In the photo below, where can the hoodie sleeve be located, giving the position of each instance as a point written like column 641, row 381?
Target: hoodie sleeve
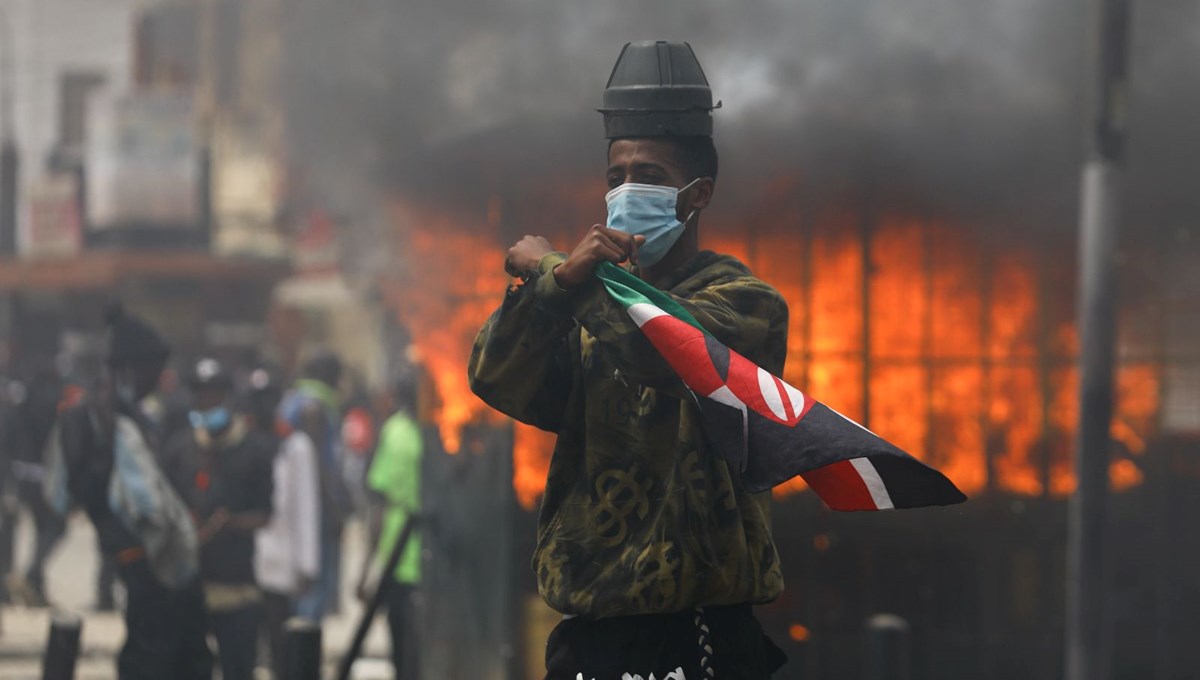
column 521, row 363
column 741, row 311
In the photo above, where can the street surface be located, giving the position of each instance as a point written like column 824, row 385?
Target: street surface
column 71, row 578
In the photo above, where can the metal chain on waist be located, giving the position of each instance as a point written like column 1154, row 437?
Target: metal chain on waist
column 706, row 652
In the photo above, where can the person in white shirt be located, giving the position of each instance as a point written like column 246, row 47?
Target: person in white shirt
column 287, row 557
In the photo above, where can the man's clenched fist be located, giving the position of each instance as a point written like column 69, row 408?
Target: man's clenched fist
column 525, row 254
column 600, row 245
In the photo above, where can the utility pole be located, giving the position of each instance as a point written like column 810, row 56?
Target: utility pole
column 1100, row 205
column 8, row 144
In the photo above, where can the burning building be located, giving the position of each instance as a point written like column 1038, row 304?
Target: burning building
column 955, row 346
column 907, row 181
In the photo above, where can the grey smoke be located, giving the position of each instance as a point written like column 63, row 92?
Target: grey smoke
column 973, row 107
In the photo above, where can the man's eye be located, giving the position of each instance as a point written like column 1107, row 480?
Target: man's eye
column 614, row 182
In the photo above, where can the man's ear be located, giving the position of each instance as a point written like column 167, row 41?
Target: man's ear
column 697, row 197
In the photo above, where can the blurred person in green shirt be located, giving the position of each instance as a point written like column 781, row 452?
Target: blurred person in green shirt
column 395, row 479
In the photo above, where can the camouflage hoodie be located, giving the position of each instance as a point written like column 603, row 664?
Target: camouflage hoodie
column 640, row 515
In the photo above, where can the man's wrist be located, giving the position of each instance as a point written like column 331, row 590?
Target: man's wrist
column 558, row 273
column 549, row 261
column 552, row 297
column 548, row 268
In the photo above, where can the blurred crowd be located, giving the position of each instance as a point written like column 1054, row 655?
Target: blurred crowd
column 219, row 491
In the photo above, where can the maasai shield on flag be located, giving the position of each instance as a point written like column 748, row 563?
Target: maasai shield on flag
column 768, row 430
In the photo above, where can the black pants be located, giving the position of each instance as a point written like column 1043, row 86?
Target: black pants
column 726, row 643
column 277, row 609
column 8, row 536
column 401, row 617
column 50, row 528
column 106, row 577
column 236, row 631
column 165, row 630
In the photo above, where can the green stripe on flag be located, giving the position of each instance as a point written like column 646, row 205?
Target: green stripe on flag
column 629, row 290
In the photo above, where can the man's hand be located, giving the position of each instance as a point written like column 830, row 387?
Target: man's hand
column 525, row 254
column 600, row 245
column 213, row 525
column 247, row 522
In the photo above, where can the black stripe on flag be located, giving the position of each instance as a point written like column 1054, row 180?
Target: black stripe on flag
column 912, row 484
column 778, row 453
column 719, row 354
column 775, row 453
column 725, row 429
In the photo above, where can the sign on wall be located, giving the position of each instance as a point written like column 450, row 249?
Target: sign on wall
column 143, row 164
column 55, row 226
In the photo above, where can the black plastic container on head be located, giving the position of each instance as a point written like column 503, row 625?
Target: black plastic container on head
column 657, row 89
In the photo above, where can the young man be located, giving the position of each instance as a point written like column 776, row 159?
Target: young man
column 287, row 555
column 103, row 458
column 223, row 470
column 395, row 475
column 314, row 407
column 647, row 542
column 26, row 428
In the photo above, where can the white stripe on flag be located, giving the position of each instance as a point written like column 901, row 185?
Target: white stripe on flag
column 641, row 312
column 724, row 395
column 796, row 397
column 874, row 482
column 851, row 421
column 770, row 392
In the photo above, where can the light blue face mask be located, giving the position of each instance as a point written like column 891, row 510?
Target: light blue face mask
column 214, row 419
column 648, row 210
column 125, row 392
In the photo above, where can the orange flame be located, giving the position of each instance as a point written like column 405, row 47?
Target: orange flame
column 451, row 278
column 945, row 347
column 447, row 288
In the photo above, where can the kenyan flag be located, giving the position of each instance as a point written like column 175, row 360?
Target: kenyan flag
column 770, row 431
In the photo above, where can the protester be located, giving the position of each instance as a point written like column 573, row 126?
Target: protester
column 287, row 556
column 358, row 434
column 82, row 372
column 647, row 541
column 26, row 429
column 223, row 469
column 103, row 457
column 9, row 506
column 314, row 407
column 395, row 475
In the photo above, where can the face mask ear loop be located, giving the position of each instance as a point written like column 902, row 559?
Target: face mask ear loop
column 684, row 190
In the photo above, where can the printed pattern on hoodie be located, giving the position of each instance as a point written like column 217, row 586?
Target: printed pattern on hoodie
column 640, row 515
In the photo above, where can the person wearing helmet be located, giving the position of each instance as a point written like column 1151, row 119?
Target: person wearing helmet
column 102, row 457
column 223, row 469
column 648, row 544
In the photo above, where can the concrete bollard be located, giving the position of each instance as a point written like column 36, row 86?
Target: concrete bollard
column 887, row 649
column 62, row 647
column 301, row 650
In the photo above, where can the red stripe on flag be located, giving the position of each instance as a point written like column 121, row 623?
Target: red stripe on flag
column 841, row 487
column 787, row 401
column 809, row 402
column 743, row 382
column 683, row 346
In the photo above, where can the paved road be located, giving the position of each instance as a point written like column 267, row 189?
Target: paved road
column 71, row 578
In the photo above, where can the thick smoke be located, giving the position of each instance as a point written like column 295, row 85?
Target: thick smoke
column 973, row 108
